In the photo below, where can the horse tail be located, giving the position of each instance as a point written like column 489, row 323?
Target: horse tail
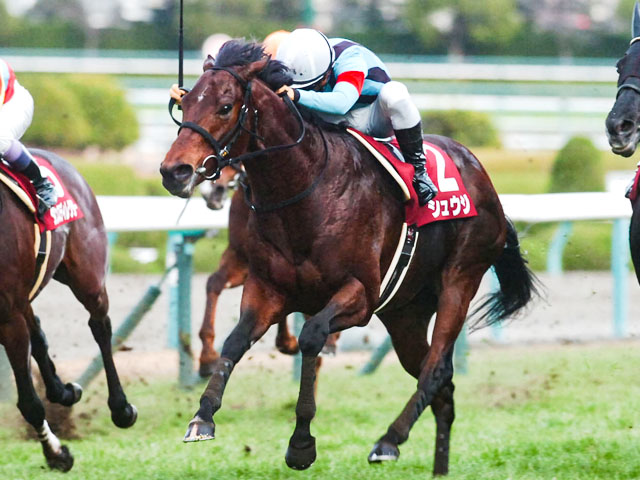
column 518, row 285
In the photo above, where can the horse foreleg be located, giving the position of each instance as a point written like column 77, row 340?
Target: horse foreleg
column 231, row 273
column 348, row 307
column 57, row 392
column 15, row 338
column 261, row 308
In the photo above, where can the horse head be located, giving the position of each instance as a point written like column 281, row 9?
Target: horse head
column 623, row 121
column 220, row 115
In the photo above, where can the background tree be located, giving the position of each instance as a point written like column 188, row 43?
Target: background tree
column 464, row 26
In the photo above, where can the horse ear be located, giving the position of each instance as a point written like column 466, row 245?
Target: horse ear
column 209, row 63
column 635, row 22
column 254, row 68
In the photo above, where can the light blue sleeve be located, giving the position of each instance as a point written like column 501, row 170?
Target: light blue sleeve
column 338, row 101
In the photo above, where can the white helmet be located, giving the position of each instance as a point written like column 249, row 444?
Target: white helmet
column 308, row 55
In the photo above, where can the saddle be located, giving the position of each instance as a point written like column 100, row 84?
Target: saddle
column 452, row 202
column 66, row 210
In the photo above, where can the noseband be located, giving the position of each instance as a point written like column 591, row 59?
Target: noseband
column 223, row 147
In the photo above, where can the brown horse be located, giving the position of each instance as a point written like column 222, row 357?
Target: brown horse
column 324, row 225
column 623, row 123
column 232, row 271
column 78, row 259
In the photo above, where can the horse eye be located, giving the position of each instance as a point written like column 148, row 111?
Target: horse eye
column 225, row 109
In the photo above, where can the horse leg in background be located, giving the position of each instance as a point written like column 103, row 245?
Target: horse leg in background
column 285, row 342
column 436, row 369
column 57, row 392
column 347, row 308
column 231, row 272
column 14, row 335
column 261, row 307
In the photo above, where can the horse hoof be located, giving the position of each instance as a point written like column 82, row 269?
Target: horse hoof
column 71, row 395
column 126, row 417
column 206, row 370
column 77, row 391
column 383, row 452
column 301, row 458
column 63, row 461
column 199, row 430
column 288, row 347
column 328, row 350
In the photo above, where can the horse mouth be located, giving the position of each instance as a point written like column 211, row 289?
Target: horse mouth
column 177, row 189
column 624, row 145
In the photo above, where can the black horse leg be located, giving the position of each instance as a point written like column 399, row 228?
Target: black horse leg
column 436, row 370
column 444, row 413
column 260, row 309
column 347, row 308
column 57, row 392
column 123, row 414
column 15, row 338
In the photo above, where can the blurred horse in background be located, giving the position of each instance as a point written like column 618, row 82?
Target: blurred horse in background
column 324, row 225
column 77, row 258
column 623, row 126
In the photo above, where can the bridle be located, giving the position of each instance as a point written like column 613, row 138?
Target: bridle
column 223, row 147
column 629, row 68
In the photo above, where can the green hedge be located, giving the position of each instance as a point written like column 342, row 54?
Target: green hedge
column 472, row 129
column 76, row 111
column 578, row 167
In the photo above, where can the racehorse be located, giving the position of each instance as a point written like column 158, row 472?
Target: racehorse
column 232, row 271
column 623, row 123
column 78, row 258
column 324, row 225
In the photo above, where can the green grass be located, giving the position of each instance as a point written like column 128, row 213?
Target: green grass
column 567, row 412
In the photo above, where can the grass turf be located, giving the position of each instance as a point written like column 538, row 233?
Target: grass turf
column 561, row 412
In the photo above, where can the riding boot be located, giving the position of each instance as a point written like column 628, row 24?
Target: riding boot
column 410, row 142
column 45, row 190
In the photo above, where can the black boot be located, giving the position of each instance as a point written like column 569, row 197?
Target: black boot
column 45, row 190
column 410, row 142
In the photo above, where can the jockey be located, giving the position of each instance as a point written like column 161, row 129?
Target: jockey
column 272, row 41
column 16, row 112
column 345, row 82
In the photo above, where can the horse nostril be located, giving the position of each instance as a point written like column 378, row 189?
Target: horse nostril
column 219, row 189
column 182, row 173
column 625, row 126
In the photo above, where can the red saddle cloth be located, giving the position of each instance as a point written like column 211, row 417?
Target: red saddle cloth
column 452, row 201
column 64, row 211
column 633, row 194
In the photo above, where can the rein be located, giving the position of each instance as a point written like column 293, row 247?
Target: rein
column 296, row 198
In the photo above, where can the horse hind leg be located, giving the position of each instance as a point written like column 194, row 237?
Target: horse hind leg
column 15, row 338
column 444, row 413
column 57, row 392
column 123, row 414
column 436, row 371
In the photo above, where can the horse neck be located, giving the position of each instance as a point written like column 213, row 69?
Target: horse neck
column 279, row 175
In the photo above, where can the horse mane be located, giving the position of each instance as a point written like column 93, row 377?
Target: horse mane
column 238, row 53
column 275, row 74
